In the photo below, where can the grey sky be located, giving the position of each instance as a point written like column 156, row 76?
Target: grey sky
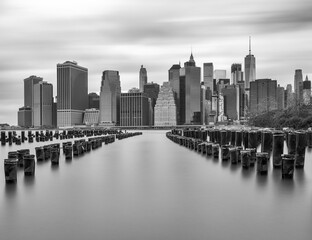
column 123, row 34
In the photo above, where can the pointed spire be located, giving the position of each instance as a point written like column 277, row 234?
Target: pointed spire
column 249, row 45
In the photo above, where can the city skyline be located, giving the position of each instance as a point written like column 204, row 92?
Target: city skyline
column 109, row 36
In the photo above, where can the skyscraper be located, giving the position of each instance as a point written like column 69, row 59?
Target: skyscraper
column 280, row 95
column 110, row 98
column 151, row 90
column 231, row 97
column 174, row 80
column 94, row 101
column 134, row 109
column 143, row 78
column 250, row 68
column 29, row 93
column 307, row 91
column 190, row 93
column 165, row 108
column 208, row 75
column 43, row 104
column 263, row 95
column 24, row 118
column 236, row 73
column 72, row 93
column 298, row 83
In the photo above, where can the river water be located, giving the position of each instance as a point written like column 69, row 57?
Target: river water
column 149, row 188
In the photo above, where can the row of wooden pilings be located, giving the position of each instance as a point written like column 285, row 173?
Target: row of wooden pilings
column 23, row 159
column 240, row 146
column 11, row 137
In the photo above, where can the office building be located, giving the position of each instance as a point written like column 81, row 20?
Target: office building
column 231, row 98
column 306, row 91
column 165, row 108
column 91, row 117
column 289, row 96
column 250, row 68
column 263, row 95
column 236, row 73
column 174, row 80
column 29, row 93
column 110, row 98
column 134, row 109
column 43, row 105
column 94, row 101
column 280, row 92
column 151, row 90
column 24, row 117
column 208, row 75
column 298, row 83
column 72, row 93
column 142, row 78
column 190, row 93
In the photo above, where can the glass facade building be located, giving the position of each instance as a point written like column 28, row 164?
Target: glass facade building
column 110, row 98
column 72, row 93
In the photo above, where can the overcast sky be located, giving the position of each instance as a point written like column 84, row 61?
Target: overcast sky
column 124, row 34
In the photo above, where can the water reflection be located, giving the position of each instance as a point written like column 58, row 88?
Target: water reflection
column 29, row 181
column 247, row 172
column 54, row 167
column 10, row 190
column 235, row 167
column 261, row 179
column 225, row 163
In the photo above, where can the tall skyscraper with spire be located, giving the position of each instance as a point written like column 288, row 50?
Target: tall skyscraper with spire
column 298, row 83
column 190, row 93
column 142, row 78
column 250, row 68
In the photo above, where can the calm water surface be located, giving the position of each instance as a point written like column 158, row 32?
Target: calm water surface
column 148, row 187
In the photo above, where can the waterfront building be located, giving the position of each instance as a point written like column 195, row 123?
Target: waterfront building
column 91, row 116
column 190, row 93
column 24, row 117
column 43, row 105
column 174, row 80
column 110, row 98
column 289, row 96
column 231, row 98
column 236, row 73
column 208, row 75
column 280, row 92
column 54, row 114
column 298, row 83
column 72, row 93
column 94, row 100
column 165, row 108
column 29, row 93
column 263, row 95
column 142, row 78
column 306, row 91
column 134, row 109
column 151, row 90
column 250, row 68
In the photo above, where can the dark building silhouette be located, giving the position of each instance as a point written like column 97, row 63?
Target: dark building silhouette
column 280, row 95
column 72, row 93
column 263, row 95
column 236, row 73
column 306, row 91
column 24, row 117
column 250, row 68
column 231, row 95
column 298, row 83
column 142, row 78
column 151, row 90
column 134, row 109
column 94, row 101
column 190, row 93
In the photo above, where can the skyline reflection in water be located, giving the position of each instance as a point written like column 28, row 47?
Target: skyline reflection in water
column 147, row 187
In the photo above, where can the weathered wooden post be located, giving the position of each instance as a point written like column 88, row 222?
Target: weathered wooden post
column 288, row 165
column 301, row 143
column 29, row 165
column 278, row 149
column 245, row 156
column 10, row 170
column 262, row 162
